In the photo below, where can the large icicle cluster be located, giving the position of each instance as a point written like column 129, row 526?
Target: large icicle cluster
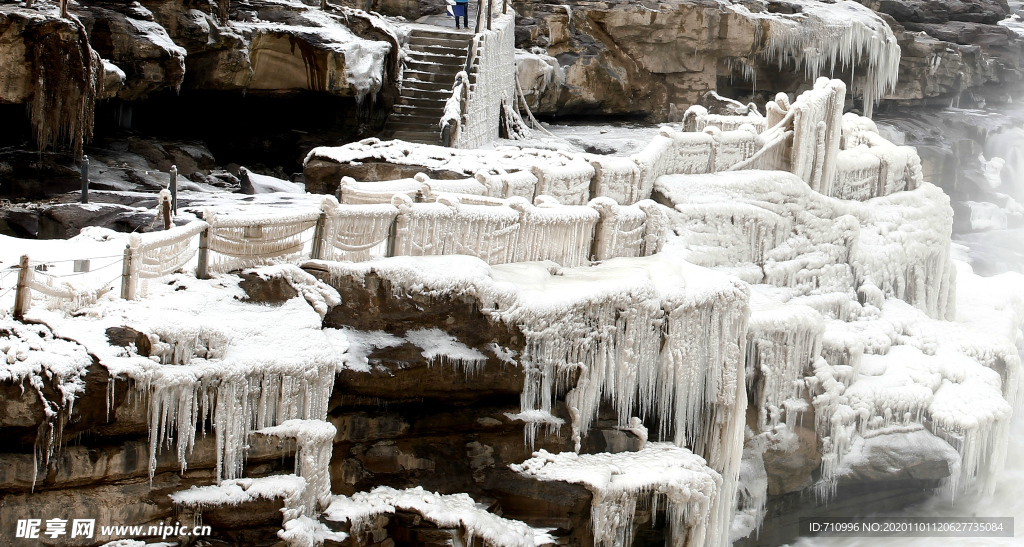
column 231, row 367
column 660, row 473
column 446, row 511
column 824, row 37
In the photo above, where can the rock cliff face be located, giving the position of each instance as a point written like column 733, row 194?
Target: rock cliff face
column 653, row 59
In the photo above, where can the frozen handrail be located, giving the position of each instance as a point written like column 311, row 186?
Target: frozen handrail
column 245, row 241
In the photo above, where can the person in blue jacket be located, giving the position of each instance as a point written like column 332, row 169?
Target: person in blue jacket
column 461, row 9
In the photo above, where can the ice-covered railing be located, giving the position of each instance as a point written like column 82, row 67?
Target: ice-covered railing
column 697, row 119
column 495, row 230
column 450, row 227
column 562, row 234
column 568, row 183
column 501, row 183
column 352, row 192
column 870, row 166
column 708, row 151
column 157, row 254
column 454, row 109
column 236, row 242
column 817, row 127
column 355, row 232
column 628, row 230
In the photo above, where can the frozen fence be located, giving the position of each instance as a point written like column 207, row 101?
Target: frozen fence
column 697, row 118
column 355, row 232
column 495, row 230
column 245, row 241
column 629, row 230
column 157, row 254
column 569, row 183
column 869, row 166
column 450, row 227
column 562, row 234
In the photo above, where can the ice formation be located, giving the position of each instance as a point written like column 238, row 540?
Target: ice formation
column 314, row 443
column 446, row 511
column 829, row 36
column 233, row 371
column 33, row 358
column 601, row 325
column 660, row 473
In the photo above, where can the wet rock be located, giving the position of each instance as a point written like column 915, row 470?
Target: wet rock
column 266, row 290
column 67, row 220
column 885, row 457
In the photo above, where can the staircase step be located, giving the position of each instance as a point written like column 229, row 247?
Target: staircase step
column 423, row 93
column 420, row 138
column 449, row 34
column 444, row 59
column 419, row 40
column 412, row 102
column 428, row 109
column 438, row 50
column 415, row 118
column 416, row 70
column 423, row 76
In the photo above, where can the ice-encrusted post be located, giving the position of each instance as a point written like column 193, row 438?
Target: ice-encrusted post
column 22, row 296
column 85, row 179
column 203, row 267
column 318, row 237
column 127, row 287
column 165, row 210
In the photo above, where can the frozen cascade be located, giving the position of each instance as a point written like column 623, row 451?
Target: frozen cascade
column 299, row 529
column 240, row 369
column 658, row 473
column 314, row 443
column 782, row 343
column 898, row 244
column 32, row 357
column 235, row 401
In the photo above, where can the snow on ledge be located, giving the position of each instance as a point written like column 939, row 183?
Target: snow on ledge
column 658, row 471
column 446, row 511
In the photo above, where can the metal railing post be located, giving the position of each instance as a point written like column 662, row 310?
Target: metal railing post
column 173, row 184
column 85, row 179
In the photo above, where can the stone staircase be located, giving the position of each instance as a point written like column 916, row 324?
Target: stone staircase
column 435, row 56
